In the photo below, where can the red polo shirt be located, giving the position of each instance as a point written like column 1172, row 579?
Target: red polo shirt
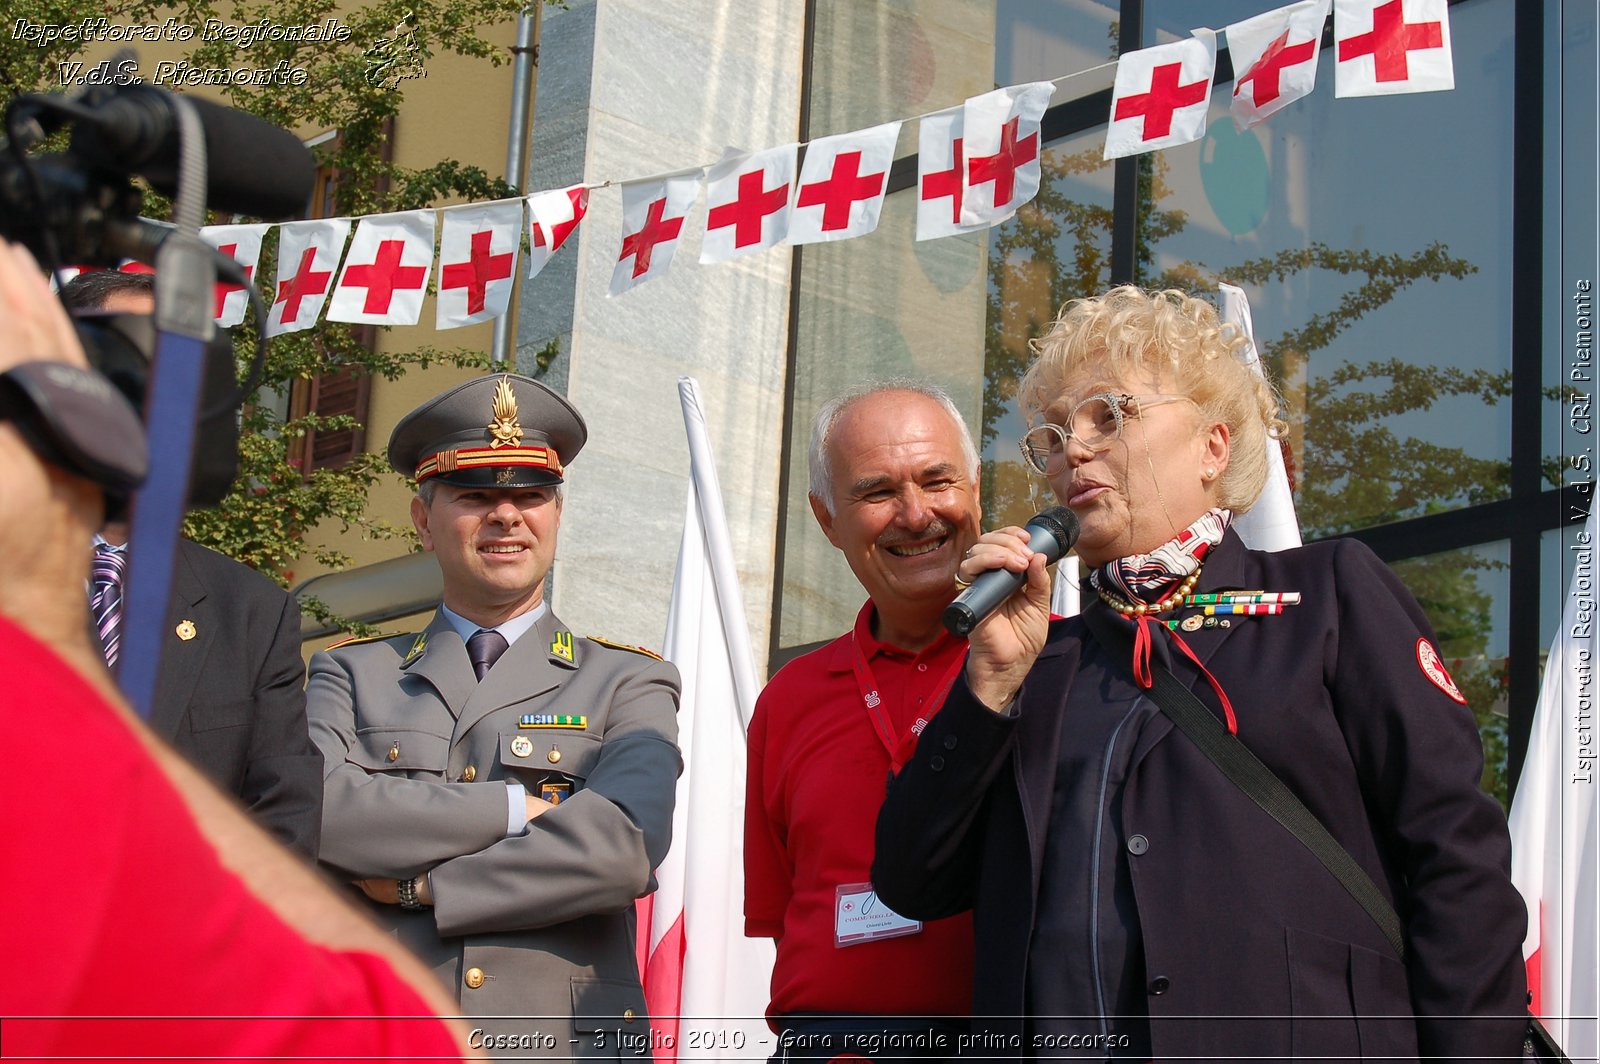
column 817, row 772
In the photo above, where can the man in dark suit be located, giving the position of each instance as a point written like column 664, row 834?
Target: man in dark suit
column 230, row 696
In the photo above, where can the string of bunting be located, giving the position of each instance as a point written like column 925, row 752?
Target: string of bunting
column 977, row 164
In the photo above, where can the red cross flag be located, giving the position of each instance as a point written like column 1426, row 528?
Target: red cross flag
column 1161, row 95
column 1387, row 47
column 552, row 217
column 940, row 167
column 477, row 258
column 652, row 220
column 747, row 202
column 386, row 270
column 842, row 183
column 1001, row 129
column 242, row 244
column 1277, row 53
column 308, row 257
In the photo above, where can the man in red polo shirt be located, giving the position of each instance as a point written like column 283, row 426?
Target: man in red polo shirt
column 894, row 485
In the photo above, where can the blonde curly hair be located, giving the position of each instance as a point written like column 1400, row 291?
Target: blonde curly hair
column 1173, row 337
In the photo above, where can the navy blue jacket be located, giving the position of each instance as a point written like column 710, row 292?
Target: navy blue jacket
column 1251, row 947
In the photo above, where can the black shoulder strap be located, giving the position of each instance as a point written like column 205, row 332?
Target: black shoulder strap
column 1252, row 777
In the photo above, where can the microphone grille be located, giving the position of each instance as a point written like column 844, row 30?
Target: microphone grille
column 1061, row 523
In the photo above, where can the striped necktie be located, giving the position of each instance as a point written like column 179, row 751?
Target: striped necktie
column 105, row 597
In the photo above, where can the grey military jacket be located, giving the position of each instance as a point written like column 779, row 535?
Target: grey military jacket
column 416, row 757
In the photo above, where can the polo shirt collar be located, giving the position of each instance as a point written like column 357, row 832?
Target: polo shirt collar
column 841, row 656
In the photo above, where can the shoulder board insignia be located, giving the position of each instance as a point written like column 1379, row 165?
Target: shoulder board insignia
column 356, row 640
column 625, row 646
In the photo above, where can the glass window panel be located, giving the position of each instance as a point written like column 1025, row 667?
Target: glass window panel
column 869, row 309
column 1570, row 256
column 1379, row 275
column 1056, row 248
column 1465, row 595
column 1041, row 40
column 876, row 61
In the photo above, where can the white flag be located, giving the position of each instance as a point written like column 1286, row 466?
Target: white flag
column 747, row 202
column 699, row 963
column 242, row 244
column 1270, row 524
column 842, row 185
column 386, row 270
column 1161, row 96
column 552, row 217
column 1387, row 47
column 1001, row 131
column 1277, row 54
column 1065, row 597
column 940, row 175
column 653, row 211
column 1555, row 824
column 308, row 257
column 477, row 262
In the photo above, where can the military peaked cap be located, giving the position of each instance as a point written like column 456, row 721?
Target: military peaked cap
column 505, row 431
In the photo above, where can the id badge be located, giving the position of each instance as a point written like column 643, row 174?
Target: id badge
column 858, row 916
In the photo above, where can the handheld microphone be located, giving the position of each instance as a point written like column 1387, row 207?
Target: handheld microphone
column 1051, row 533
column 252, row 166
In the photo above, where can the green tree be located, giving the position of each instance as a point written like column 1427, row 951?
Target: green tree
column 354, row 86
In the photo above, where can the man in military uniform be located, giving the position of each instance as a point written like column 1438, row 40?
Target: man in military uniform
column 498, row 789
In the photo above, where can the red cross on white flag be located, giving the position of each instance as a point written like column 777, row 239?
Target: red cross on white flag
column 1276, row 54
column 1387, row 47
column 842, row 184
column 939, row 169
column 747, row 202
column 386, row 270
column 552, row 217
column 1161, row 96
column 652, row 220
column 242, row 244
column 1001, row 131
column 308, row 257
column 477, row 262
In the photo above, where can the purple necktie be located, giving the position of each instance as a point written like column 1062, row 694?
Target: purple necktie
column 484, row 649
column 105, row 597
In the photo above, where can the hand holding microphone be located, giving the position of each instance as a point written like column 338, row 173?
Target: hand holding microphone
column 999, row 566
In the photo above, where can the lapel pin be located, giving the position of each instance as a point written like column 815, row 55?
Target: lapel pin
column 185, row 630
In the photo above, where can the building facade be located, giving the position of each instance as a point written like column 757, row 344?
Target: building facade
column 1419, row 268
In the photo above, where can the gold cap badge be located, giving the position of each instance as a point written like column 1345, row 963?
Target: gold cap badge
column 504, row 428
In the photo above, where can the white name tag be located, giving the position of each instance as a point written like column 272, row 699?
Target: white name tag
column 858, row 916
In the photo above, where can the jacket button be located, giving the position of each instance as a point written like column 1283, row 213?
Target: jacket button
column 936, row 763
column 474, row 978
column 469, row 774
column 1138, row 844
column 1160, row 985
column 949, row 742
column 627, row 1015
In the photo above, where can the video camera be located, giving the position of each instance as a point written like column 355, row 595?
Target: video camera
column 80, row 207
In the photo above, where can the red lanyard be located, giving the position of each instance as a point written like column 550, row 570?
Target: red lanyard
column 901, row 749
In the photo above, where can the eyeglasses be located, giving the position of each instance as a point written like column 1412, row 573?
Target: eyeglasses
column 1096, row 423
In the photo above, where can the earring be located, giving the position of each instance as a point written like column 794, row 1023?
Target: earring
column 1211, row 474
